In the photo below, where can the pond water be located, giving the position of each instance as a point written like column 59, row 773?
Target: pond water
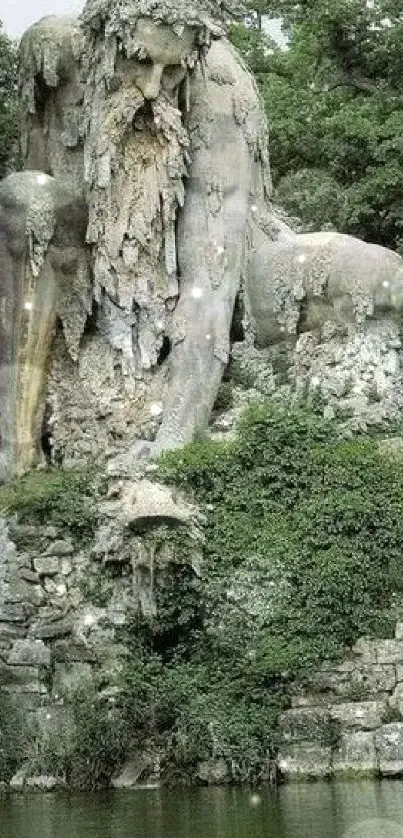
column 340, row 810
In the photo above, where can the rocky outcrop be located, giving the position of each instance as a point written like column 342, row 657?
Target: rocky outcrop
column 349, row 722
column 62, row 610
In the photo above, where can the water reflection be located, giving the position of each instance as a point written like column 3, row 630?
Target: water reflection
column 342, row 810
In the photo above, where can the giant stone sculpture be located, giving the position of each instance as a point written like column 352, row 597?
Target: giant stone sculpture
column 142, row 217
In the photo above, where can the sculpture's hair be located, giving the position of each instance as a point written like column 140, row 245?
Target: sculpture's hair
column 208, row 15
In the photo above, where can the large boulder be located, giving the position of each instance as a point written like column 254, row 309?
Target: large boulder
column 389, row 746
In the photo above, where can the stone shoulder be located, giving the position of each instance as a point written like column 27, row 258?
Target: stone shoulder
column 52, row 47
column 225, row 78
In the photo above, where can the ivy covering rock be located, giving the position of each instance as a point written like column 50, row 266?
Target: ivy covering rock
column 302, row 534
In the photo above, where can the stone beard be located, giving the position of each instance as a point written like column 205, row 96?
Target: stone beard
column 135, row 164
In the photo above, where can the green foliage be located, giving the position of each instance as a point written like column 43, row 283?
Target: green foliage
column 85, row 744
column 302, row 556
column 96, row 589
column 13, row 737
column 100, row 742
column 302, row 553
column 8, row 104
column 57, row 497
column 391, row 714
column 334, row 101
column 225, row 397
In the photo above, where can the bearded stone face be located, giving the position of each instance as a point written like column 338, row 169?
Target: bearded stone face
column 159, row 59
column 136, row 154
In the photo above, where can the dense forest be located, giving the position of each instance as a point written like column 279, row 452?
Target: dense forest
column 8, row 104
column 334, row 101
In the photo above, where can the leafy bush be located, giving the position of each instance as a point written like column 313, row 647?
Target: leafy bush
column 302, row 553
column 225, row 397
column 9, row 115
column 302, row 556
column 61, row 498
column 85, row 743
column 14, row 738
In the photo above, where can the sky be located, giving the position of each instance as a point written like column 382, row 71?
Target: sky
column 17, row 15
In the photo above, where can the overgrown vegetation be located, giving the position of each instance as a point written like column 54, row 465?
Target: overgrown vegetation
column 62, row 498
column 9, row 121
column 302, row 556
column 334, row 102
column 14, row 737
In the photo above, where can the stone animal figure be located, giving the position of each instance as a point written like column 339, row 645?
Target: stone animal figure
column 146, row 119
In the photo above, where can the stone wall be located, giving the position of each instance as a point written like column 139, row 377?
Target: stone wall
column 349, row 719
column 48, row 634
column 61, row 620
column 64, row 605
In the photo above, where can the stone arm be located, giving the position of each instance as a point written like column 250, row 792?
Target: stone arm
column 51, row 100
column 212, row 236
column 42, row 227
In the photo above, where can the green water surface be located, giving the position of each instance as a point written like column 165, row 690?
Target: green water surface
column 302, row 811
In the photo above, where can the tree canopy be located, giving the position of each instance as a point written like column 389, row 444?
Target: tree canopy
column 334, row 101
column 8, row 103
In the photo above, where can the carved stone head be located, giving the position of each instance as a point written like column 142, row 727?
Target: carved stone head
column 160, row 58
column 155, row 41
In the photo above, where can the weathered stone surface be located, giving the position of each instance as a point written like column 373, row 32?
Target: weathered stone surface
column 363, row 715
column 29, row 575
column 66, row 566
column 356, row 754
column 63, row 547
column 379, row 651
column 11, row 631
column 396, row 699
column 49, row 631
column 22, row 679
column 304, row 724
column 389, row 747
column 50, row 532
column 46, row 565
column 366, row 649
column 389, row 651
column 145, row 504
column 17, row 613
column 131, row 772
column 44, row 782
column 24, row 535
column 356, row 679
column 24, row 592
column 29, row 653
column 55, row 588
column 304, row 760
column 399, row 631
column 303, row 699
column 213, row 772
column 17, row 782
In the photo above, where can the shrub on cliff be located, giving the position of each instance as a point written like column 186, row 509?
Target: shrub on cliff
column 302, row 556
column 63, row 498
